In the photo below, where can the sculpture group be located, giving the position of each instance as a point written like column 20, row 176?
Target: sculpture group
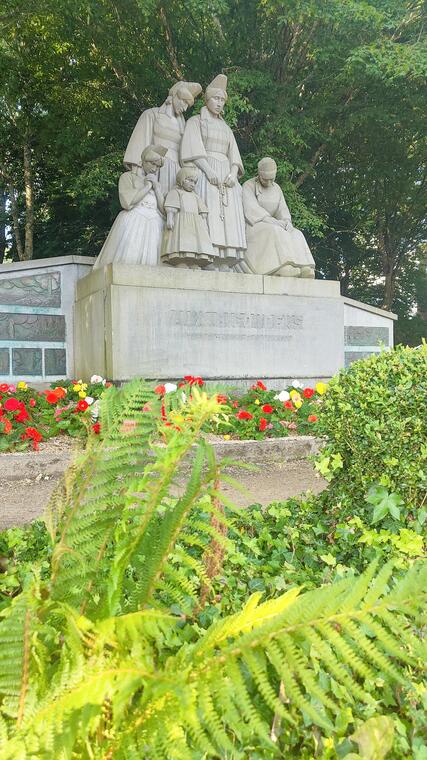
column 182, row 201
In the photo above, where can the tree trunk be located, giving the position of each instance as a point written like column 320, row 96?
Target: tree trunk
column 3, row 197
column 15, row 221
column 389, row 269
column 29, row 204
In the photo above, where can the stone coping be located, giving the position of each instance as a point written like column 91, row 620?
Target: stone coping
column 225, row 282
column 55, row 261
column 268, row 453
column 367, row 307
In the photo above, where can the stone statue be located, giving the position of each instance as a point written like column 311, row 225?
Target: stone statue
column 274, row 246
column 136, row 235
column 209, row 143
column 186, row 241
column 163, row 126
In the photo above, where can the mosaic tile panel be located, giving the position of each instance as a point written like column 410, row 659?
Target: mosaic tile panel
column 32, row 290
column 55, row 361
column 33, row 327
column 4, row 361
column 26, row 361
column 366, row 336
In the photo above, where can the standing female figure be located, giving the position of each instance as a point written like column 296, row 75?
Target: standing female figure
column 209, row 143
column 163, row 125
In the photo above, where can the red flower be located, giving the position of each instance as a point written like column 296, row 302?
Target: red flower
column 31, row 432
column 96, row 427
column 243, row 415
column 7, row 426
column 4, row 387
column 193, row 380
column 12, row 404
column 221, row 398
column 308, row 392
column 59, row 392
column 312, row 418
column 261, row 386
column 262, row 424
column 235, row 404
column 23, row 415
column 51, row 397
column 267, row 409
column 82, row 405
column 108, row 385
column 288, row 405
column 160, row 389
column 32, row 402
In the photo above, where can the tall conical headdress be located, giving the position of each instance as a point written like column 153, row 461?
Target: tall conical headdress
column 218, row 85
column 188, row 91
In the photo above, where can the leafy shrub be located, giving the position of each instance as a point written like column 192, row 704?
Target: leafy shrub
column 375, row 421
column 20, row 548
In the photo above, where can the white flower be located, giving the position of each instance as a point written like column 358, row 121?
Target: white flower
column 282, row 396
column 96, row 379
column 296, row 384
column 170, row 387
column 94, row 411
column 89, row 400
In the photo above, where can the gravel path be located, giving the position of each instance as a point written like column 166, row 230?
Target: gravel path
column 28, row 481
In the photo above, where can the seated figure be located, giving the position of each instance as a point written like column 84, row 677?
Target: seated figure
column 275, row 247
column 186, row 241
column 136, row 235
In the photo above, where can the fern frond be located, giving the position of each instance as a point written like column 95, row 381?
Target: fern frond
column 210, row 691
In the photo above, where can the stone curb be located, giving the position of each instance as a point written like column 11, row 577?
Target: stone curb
column 270, row 452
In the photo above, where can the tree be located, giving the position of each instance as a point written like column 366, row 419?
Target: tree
column 333, row 91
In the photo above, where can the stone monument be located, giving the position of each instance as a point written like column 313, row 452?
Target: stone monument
column 259, row 314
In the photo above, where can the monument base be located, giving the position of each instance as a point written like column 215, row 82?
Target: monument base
column 164, row 323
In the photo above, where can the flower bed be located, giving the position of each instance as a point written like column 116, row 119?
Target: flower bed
column 257, row 414
column 28, row 417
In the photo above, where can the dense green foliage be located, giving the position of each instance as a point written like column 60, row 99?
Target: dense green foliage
column 375, row 420
column 115, row 655
column 333, row 90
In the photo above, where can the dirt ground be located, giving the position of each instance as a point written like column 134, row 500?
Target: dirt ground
column 25, row 491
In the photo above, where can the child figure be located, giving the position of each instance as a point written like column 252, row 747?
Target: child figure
column 186, row 242
column 136, row 235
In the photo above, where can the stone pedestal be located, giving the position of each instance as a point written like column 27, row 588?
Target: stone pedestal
column 159, row 322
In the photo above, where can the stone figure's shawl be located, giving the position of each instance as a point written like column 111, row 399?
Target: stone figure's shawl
column 182, row 200
column 155, row 125
column 129, row 185
column 253, row 202
column 196, row 134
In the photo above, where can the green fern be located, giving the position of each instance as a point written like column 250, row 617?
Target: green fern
column 94, row 665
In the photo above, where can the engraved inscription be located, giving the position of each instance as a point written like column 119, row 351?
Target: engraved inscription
column 33, row 327
column 32, row 290
column 366, row 336
column 194, row 319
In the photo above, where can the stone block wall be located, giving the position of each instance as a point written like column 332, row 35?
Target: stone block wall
column 36, row 318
